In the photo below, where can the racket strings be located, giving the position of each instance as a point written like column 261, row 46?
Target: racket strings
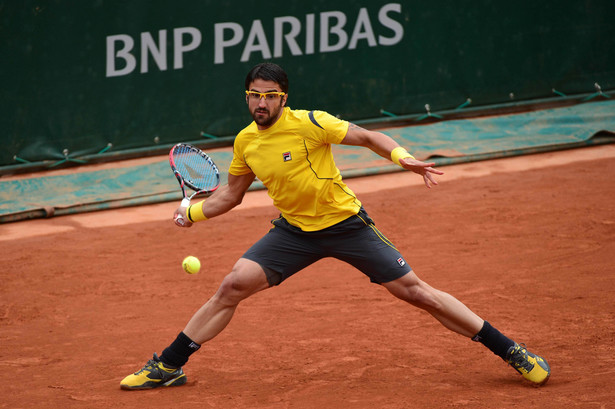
column 195, row 169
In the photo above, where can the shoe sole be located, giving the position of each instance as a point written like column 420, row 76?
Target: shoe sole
column 181, row 380
column 538, row 384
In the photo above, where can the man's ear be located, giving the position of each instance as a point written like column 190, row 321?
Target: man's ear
column 284, row 100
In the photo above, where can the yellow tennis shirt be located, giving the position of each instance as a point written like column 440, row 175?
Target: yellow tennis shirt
column 293, row 159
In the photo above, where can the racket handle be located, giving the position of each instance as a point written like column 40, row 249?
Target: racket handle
column 179, row 220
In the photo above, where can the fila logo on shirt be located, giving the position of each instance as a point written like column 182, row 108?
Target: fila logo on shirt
column 286, row 156
column 401, row 261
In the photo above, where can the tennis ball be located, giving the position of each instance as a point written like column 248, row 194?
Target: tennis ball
column 191, row 265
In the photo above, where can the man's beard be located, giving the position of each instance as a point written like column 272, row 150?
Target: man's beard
column 268, row 120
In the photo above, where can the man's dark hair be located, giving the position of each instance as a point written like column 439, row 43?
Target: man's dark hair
column 269, row 72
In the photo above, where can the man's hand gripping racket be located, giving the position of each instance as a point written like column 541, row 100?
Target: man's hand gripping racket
column 194, row 169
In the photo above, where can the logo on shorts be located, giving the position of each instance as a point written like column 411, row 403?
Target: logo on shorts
column 401, row 261
column 286, row 156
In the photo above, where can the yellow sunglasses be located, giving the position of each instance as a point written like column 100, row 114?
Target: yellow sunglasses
column 269, row 96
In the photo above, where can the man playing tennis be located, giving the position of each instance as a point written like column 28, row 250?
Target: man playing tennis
column 290, row 152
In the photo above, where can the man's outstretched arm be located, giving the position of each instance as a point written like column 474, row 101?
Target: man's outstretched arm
column 384, row 146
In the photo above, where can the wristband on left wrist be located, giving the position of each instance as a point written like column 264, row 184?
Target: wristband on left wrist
column 400, row 153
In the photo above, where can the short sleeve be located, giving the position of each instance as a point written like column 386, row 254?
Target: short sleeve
column 238, row 165
column 334, row 128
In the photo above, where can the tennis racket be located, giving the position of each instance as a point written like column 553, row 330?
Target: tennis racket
column 193, row 168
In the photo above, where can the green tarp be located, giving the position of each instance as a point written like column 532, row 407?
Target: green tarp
column 443, row 142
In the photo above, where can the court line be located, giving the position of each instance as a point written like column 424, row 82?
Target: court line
column 254, row 199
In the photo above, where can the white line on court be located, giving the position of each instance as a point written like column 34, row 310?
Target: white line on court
column 164, row 211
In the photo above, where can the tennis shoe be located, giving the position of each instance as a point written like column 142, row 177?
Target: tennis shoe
column 153, row 375
column 532, row 367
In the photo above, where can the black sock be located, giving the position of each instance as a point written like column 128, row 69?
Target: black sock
column 176, row 355
column 493, row 339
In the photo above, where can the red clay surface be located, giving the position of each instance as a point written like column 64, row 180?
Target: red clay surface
column 86, row 299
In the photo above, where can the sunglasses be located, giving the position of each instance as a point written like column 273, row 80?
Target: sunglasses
column 269, row 96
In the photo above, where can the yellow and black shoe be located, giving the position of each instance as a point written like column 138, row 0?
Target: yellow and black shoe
column 153, row 375
column 532, row 367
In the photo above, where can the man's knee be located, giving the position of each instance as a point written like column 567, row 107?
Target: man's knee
column 414, row 291
column 244, row 280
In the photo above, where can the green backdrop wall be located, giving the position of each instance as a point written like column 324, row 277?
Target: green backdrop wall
column 78, row 75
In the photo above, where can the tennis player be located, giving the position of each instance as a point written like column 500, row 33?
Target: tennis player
column 290, row 152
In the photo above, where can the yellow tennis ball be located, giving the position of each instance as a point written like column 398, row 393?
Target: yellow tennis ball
column 191, row 265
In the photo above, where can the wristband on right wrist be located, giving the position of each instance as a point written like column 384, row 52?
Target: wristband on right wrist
column 195, row 212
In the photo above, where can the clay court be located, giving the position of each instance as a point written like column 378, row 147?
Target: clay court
column 526, row 242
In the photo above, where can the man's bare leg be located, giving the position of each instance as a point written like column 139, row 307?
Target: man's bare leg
column 452, row 313
column 246, row 278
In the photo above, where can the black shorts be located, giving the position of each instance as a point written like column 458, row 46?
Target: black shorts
column 286, row 249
